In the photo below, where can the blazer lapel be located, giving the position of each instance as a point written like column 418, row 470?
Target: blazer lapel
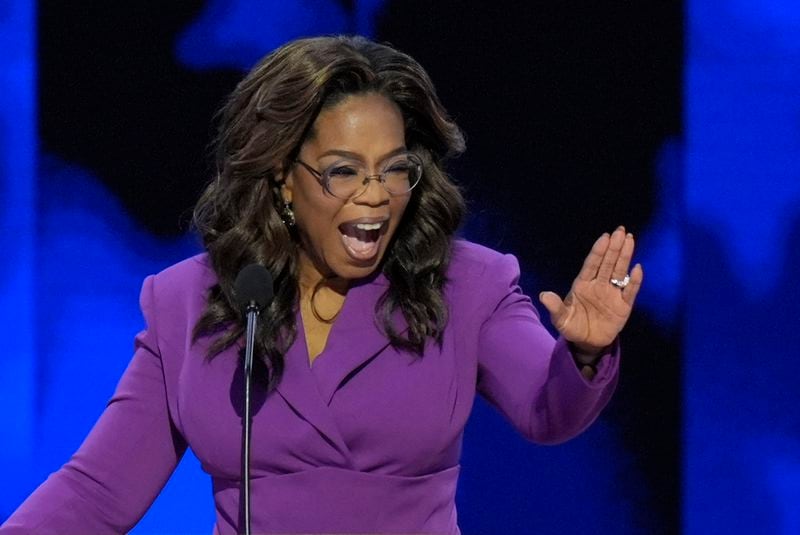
column 355, row 337
column 298, row 387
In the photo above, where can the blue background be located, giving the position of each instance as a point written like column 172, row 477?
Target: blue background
column 683, row 122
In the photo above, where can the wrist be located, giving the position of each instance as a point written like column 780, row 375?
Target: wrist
column 586, row 355
column 586, row 360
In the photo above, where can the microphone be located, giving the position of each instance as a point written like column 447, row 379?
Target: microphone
column 253, row 293
column 253, row 288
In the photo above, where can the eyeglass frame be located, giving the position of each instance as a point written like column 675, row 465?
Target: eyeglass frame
column 379, row 177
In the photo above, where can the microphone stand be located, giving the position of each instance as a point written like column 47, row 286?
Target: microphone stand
column 250, row 336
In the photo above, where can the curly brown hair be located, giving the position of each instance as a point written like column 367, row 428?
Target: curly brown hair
column 262, row 126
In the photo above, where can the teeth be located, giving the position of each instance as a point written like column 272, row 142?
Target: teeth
column 369, row 226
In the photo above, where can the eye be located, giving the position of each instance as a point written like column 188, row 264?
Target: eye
column 400, row 166
column 342, row 171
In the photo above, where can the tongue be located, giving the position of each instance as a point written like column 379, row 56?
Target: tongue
column 358, row 248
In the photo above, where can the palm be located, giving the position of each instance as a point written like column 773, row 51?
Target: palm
column 595, row 311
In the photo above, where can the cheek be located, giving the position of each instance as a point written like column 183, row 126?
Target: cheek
column 399, row 206
column 316, row 222
column 311, row 206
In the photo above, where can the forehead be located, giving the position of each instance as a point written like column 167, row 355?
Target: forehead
column 364, row 124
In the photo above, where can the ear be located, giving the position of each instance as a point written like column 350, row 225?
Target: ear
column 286, row 181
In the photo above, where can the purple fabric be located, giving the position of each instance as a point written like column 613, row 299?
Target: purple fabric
column 367, row 440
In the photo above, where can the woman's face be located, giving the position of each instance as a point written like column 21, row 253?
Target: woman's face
column 348, row 237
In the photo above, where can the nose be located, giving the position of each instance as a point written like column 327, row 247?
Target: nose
column 372, row 192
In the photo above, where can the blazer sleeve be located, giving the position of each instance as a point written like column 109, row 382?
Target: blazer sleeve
column 120, row 468
column 529, row 376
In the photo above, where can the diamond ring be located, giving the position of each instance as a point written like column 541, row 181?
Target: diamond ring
column 621, row 283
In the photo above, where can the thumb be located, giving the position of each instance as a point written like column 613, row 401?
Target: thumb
column 554, row 305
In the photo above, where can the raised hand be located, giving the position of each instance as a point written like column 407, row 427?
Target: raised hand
column 601, row 298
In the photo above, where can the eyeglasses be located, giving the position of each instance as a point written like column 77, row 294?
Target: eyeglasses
column 346, row 179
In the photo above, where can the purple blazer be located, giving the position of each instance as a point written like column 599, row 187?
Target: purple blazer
column 366, row 440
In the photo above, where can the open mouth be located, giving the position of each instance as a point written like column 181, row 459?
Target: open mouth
column 362, row 239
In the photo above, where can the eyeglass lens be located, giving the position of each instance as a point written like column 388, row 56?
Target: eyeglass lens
column 347, row 179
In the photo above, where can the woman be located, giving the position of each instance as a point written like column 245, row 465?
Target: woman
column 330, row 173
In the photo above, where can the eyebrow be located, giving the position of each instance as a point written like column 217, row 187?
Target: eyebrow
column 356, row 156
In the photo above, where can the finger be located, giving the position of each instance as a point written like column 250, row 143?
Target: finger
column 632, row 289
column 612, row 253
column 624, row 260
column 592, row 263
column 555, row 306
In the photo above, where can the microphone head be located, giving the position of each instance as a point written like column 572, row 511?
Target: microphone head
column 253, row 285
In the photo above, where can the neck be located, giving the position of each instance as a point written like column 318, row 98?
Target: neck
column 311, row 277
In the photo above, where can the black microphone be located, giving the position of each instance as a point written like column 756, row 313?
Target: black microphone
column 253, row 293
column 253, row 288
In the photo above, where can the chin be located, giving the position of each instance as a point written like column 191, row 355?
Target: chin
column 349, row 271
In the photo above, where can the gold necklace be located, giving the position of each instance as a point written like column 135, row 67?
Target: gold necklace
column 317, row 287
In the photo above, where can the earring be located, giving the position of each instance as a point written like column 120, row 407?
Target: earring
column 287, row 215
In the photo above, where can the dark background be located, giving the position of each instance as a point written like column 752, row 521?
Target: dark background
column 565, row 107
